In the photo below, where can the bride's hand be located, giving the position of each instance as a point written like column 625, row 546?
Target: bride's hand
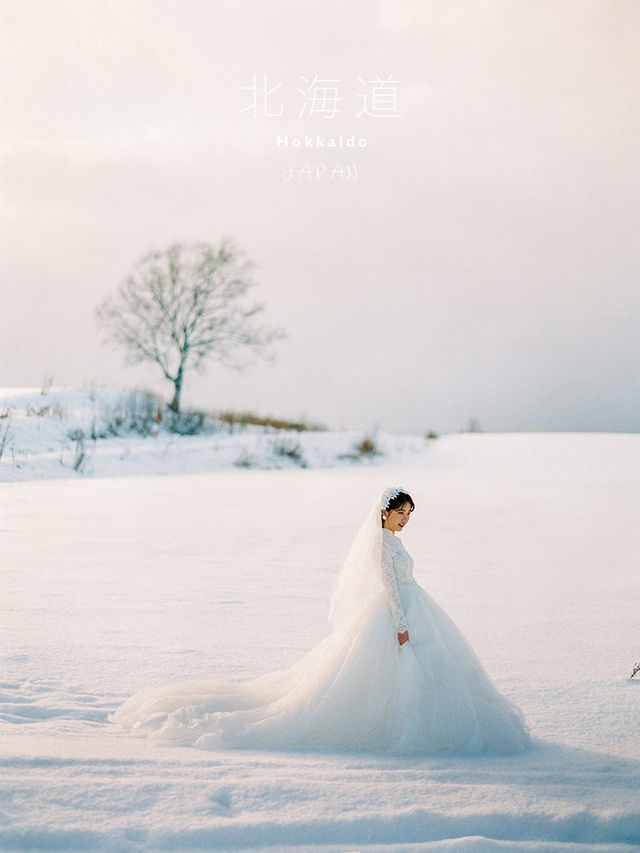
column 403, row 638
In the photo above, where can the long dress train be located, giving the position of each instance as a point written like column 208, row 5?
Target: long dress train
column 356, row 690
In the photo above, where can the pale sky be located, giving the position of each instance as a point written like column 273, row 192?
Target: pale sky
column 484, row 263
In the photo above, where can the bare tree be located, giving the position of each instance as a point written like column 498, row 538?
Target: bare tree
column 181, row 307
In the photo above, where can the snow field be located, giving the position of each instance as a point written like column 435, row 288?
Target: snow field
column 108, row 584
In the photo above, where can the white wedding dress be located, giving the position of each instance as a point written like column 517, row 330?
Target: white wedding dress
column 356, row 690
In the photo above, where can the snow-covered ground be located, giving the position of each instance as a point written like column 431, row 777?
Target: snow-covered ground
column 43, row 429
column 109, row 584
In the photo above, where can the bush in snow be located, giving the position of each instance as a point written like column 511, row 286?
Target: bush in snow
column 135, row 411
column 186, row 422
column 364, row 449
column 51, row 410
column 290, row 449
column 79, row 455
column 245, row 460
column 5, row 429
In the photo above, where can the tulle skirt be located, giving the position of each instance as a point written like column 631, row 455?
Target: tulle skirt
column 356, row 690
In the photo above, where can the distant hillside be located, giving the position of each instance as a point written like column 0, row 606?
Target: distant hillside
column 76, row 432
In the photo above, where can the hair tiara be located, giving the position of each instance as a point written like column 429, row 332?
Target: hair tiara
column 389, row 494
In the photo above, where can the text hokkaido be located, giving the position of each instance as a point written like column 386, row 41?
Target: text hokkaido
column 321, row 142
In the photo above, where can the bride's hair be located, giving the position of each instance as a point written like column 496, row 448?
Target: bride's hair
column 399, row 500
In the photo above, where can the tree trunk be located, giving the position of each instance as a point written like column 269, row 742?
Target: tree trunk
column 174, row 405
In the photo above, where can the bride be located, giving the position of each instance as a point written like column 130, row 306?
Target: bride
column 394, row 674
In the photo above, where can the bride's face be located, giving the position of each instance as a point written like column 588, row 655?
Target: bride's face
column 398, row 518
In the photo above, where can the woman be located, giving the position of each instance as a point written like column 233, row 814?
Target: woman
column 394, row 675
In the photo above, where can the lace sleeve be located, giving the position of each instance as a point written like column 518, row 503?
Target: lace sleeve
column 390, row 584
